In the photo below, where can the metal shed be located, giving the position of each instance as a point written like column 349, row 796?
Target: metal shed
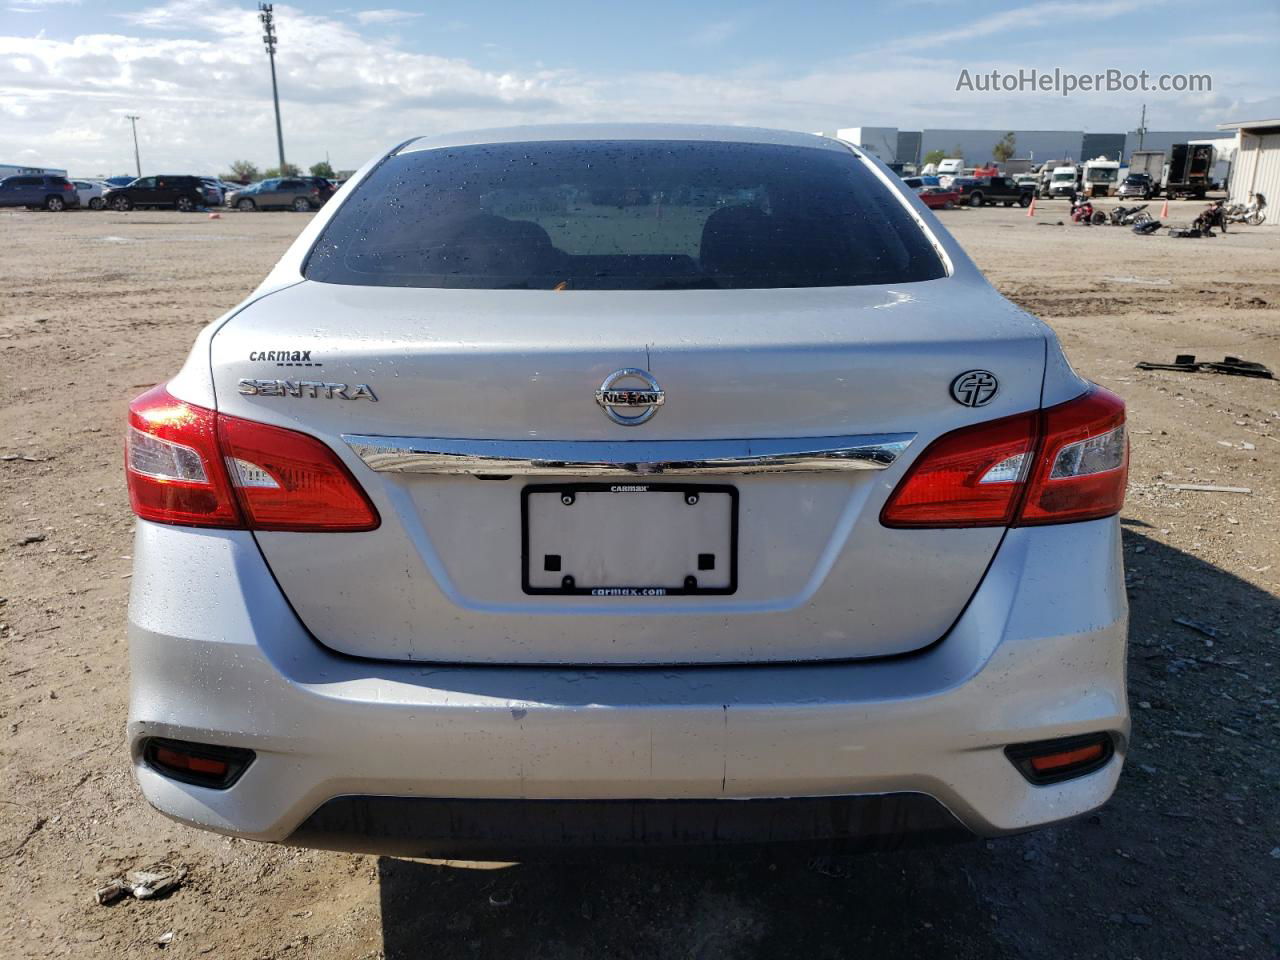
column 1257, row 166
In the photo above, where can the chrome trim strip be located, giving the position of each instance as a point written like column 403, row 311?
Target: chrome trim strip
column 607, row 458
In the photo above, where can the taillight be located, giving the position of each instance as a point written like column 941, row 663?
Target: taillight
column 1083, row 464
column 189, row 465
column 971, row 477
column 1063, row 464
column 172, row 464
column 68, row 186
column 291, row 481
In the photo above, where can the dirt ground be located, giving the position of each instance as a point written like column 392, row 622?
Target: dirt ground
column 1183, row 863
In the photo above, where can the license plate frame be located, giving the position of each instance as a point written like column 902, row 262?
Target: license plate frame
column 628, row 590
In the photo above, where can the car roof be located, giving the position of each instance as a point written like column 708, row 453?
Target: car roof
column 708, row 133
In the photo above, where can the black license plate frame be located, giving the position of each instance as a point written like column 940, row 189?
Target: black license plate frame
column 629, row 488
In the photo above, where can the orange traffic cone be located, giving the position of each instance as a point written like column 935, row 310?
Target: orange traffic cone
column 1164, row 211
column 1031, row 210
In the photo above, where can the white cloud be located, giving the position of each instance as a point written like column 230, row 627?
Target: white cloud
column 1039, row 16
column 715, row 34
column 388, row 15
column 197, row 74
column 38, row 6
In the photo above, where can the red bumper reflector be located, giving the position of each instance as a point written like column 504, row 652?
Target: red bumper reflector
column 202, row 764
column 1051, row 761
column 184, row 761
column 1067, row 758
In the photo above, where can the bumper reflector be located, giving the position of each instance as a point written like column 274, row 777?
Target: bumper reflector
column 201, row 764
column 1051, row 761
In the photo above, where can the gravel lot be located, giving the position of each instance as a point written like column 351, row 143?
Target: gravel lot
column 1183, row 863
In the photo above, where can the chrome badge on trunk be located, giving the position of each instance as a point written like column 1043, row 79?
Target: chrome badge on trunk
column 646, row 397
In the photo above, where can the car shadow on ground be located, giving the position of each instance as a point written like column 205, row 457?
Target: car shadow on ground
column 1176, row 865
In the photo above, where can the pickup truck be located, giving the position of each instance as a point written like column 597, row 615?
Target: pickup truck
column 976, row 191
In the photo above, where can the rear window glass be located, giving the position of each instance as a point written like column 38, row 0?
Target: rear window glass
column 622, row 215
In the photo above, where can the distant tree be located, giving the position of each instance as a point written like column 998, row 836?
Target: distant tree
column 244, row 170
column 289, row 170
column 935, row 156
column 322, row 169
column 1004, row 150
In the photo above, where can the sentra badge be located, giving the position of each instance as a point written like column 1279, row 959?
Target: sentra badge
column 311, row 389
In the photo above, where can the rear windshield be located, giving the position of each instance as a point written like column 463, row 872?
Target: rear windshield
column 622, row 215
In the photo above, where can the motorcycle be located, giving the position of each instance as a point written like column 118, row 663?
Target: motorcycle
column 1214, row 215
column 1082, row 211
column 1129, row 216
column 1253, row 214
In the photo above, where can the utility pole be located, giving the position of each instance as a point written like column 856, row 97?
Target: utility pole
column 1142, row 126
column 269, row 40
column 137, row 158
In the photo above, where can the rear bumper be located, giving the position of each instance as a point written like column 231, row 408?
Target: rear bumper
column 559, row 829
column 1038, row 654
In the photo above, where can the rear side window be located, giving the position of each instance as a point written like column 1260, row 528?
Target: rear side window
column 622, row 215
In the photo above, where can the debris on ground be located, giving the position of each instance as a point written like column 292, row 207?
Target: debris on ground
column 1209, row 488
column 1209, row 632
column 156, row 881
column 1187, row 363
column 30, row 539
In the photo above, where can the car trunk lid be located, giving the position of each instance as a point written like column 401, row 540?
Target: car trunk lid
column 459, row 570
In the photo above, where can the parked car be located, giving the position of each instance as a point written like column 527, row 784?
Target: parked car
column 979, row 190
column 181, row 192
column 322, row 184
column 287, row 193
column 214, row 191
column 90, row 193
column 119, row 181
column 1138, row 185
column 36, row 191
column 687, row 580
column 920, row 183
column 939, row 197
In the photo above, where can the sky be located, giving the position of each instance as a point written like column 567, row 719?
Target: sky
column 355, row 80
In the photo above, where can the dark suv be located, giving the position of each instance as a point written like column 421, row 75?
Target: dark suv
column 283, row 193
column 979, row 190
column 1138, row 185
column 164, row 190
column 38, row 190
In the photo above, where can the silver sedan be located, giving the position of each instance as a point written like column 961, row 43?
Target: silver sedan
column 626, row 486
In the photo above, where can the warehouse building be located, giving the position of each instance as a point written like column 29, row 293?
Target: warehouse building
column 880, row 142
column 977, row 146
column 1257, row 163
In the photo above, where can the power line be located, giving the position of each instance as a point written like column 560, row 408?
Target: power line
column 269, row 40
